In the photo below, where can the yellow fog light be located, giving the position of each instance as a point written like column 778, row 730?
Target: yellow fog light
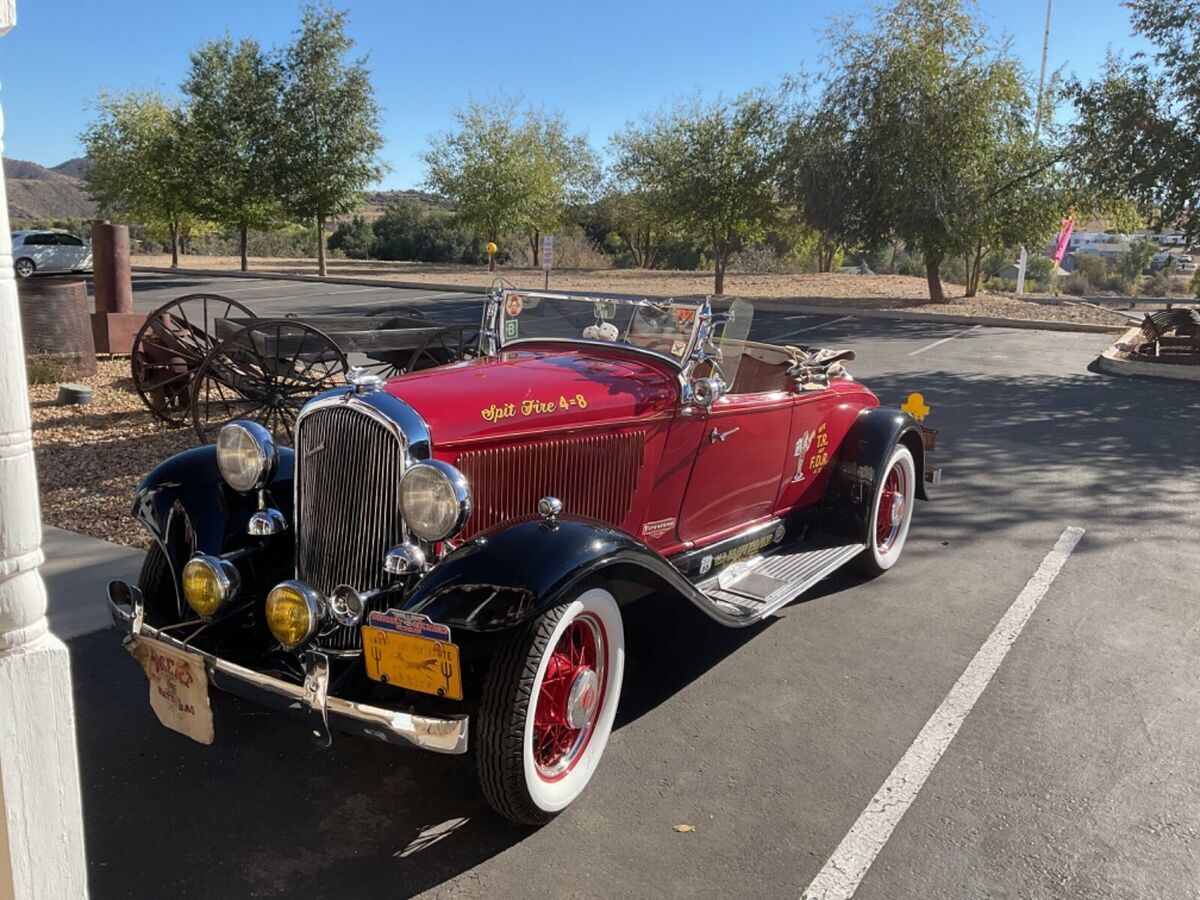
column 294, row 611
column 208, row 583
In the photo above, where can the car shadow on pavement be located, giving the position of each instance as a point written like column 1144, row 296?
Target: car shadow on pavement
column 264, row 812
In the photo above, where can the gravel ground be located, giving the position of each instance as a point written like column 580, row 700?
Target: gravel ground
column 858, row 291
column 90, row 459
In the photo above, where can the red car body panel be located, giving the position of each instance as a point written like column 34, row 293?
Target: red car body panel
column 605, row 430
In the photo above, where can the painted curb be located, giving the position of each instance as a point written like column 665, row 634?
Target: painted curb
column 780, row 304
column 1109, row 362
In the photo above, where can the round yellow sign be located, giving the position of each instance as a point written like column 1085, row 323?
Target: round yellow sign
column 491, row 248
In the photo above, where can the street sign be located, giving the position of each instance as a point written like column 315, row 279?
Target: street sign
column 548, row 252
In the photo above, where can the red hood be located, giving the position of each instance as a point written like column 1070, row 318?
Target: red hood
column 536, row 390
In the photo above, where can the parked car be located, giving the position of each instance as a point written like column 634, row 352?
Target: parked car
column 449, row 554
column 49, row 251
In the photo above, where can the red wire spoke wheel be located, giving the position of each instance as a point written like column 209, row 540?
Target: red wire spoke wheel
column 549, row 701
column 891, row 513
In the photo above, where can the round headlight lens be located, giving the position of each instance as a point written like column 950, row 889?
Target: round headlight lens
column 207, row 584
column 434, row 500
column 246, row 455
column 293, row 613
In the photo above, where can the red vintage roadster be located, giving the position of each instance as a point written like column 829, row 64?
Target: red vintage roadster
column 448, row 553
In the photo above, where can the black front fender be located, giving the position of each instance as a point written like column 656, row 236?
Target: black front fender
column 864, row 454
column 511, row 574
column 188, row 508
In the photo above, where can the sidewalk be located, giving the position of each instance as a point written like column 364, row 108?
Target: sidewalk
column 76, row 571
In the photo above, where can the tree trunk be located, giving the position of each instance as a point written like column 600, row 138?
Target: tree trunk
column 974, row 271
column 492, row 256
column 245, row 257
column 932, row 275
column 892, row 264
column 174, row 229
column 321, row 270
column 534, row 242
column 719, row 267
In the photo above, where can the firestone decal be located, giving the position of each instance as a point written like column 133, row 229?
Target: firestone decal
column 818, row 442
column 654, row 529
column 497, row 412
column 514, row 305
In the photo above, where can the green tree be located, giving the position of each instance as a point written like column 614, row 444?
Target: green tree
column 818, row 177
column 936, row 115
column 488, row 166
column 330, row 141
column 233, row 100
column 714, row 169
column 564, row 173
column 1136, row 134
column 140, row 152
column 1136, row 260
column 638, row 221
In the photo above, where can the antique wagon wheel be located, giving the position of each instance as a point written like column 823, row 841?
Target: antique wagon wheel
column 171, row 345
column 265, row 372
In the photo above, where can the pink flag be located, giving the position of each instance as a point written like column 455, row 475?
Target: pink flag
column 1064, row 237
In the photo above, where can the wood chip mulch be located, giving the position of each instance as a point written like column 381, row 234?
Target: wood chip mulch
column 90, row 459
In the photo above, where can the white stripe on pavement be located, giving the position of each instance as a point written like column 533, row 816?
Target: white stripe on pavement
column 789, row 334
column 844, row 871
column 943, row 340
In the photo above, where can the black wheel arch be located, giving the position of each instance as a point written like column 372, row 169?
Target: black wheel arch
column 860, row 463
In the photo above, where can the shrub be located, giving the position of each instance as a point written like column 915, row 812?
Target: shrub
column 1038, row 268
column 356, row 239
column 1001, row 284
column 1076, row 285
column 1157, row 285
column 1195, row 283
column 45, row 369
column 1092, row 269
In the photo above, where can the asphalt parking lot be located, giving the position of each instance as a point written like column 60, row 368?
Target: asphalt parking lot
column 1073, row 775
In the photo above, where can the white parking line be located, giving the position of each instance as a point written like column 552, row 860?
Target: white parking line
column 844, row 871
column 789, row 334
column 943, row 340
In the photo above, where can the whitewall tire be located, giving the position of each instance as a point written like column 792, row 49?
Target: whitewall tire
column 891, row 513
column 549, row 702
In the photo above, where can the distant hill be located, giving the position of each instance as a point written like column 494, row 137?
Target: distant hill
column 378, row 201
column 35, row 192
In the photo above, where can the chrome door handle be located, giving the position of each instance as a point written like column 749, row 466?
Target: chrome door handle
column 715, row 435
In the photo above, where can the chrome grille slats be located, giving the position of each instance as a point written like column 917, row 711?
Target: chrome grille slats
column 348, row 468
column 593, row 475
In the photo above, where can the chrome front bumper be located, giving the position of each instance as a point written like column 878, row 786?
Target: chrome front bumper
column 325, row 714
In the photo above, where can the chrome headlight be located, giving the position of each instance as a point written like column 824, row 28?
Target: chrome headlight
column 435, row 500
column 246, row 455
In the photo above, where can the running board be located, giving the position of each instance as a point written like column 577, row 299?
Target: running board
column 748, row 591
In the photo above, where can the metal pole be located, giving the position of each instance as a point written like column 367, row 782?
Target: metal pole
column 41, row 820
column 1037, row 130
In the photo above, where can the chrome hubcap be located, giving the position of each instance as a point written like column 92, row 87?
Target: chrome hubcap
column 582, row 700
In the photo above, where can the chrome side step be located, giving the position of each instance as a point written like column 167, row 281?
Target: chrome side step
column 749, row 591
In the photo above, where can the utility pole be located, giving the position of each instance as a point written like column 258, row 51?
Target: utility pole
column 41, row 820
column 1037, row 131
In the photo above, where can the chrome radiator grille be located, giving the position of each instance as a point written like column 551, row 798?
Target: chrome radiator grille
column 593, row 476
column 348, row 467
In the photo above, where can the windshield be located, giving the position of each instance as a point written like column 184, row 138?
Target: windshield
column 663, row 327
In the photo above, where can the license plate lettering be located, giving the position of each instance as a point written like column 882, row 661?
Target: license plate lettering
column 409, row 661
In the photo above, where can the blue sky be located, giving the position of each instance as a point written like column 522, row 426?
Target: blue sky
column 600, row 64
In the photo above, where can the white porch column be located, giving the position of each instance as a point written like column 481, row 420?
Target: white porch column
column 41, row 823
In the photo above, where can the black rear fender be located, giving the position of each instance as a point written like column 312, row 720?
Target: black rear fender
column 864, row 454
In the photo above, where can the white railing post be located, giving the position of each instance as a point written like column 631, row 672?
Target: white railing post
column 41, row 821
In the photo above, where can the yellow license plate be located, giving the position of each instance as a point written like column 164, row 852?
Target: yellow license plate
column 408, row 661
